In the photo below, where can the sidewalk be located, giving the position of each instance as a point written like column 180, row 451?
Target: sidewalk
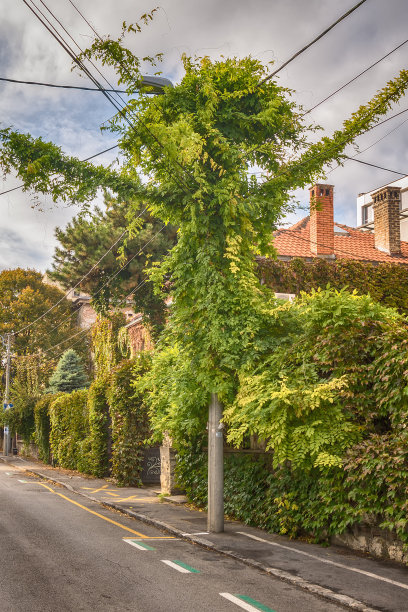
column 354, row 581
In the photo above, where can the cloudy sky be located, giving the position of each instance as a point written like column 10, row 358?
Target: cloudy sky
column 270, row 30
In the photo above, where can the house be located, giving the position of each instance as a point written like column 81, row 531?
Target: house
column 318, row 236
column 365, row 211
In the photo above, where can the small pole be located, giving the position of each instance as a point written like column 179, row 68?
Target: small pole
column 6, row 438
column 215, row 523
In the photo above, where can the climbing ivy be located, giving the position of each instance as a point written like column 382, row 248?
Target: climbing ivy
column 384, row 282
column 99, row 427
column 43, row 426
column 69, row 435
column 130, row 422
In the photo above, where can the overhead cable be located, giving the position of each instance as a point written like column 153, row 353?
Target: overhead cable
column 79, row 282
column 356, row 77
column 303, row 49
column 60, row 86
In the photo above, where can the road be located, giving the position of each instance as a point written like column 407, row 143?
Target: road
column 61, row 552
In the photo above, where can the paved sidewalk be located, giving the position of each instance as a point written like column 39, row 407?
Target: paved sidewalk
column 355, row 581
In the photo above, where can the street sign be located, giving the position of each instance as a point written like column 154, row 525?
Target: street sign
column 6, row 430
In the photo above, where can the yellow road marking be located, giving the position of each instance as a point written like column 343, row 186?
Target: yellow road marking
column 104, row 489
column 154, row 538
column 111, row 494
column 105, row 518
column 147, row 500
column 100, row 489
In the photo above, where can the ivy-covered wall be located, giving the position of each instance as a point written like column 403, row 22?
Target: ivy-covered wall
column 386, row 283
column 99, row 431
column 69, row 431
column 130, row 420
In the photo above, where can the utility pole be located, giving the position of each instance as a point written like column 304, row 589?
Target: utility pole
column 6, row 438
column 215, row 523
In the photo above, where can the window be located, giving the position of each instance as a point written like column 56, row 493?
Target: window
column 364, row 215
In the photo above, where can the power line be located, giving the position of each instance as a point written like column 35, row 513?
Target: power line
column 83, row 160
column 59, row 38
column 356, row 77
column 312, row 42
column 129, row 75
column 360, row 161
column 60, row 86
column 107, row 282
column 128, row 262
column 79, row 282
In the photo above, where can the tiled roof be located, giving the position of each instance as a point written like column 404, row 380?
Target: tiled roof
column 354, row 244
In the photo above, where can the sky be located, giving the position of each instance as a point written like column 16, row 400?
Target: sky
column 270, row 30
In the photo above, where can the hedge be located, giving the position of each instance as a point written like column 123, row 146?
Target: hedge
column 69, row 435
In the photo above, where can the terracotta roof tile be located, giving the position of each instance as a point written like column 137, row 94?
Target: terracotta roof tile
column 358, row 244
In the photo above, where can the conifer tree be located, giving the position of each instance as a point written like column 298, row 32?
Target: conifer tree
column 69, row 374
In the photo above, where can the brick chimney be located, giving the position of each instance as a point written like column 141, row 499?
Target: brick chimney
column 321, row 221
column 386, row 205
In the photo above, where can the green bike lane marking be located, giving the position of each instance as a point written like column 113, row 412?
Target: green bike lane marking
column 246, row 603
column 181, row 567
column 139, row 545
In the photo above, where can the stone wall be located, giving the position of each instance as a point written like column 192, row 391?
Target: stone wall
column 139, row 337
column 371, row 539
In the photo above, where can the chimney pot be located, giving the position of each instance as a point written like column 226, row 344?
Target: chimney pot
column 321, row 221
column 387, row 232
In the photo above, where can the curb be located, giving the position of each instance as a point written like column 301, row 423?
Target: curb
column 343, row 600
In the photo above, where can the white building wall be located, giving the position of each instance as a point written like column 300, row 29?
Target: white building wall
column 366, row 199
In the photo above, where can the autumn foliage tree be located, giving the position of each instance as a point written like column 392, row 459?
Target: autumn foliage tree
column 24, row 297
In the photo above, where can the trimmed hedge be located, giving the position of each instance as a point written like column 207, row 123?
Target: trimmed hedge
column 69, row 434
column 99, row 426
column 43, row 426
column 130, row 420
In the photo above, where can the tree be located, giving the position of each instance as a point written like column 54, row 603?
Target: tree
column 69, row 374
column 23, row 298
column 85, row 240
column 198, row 144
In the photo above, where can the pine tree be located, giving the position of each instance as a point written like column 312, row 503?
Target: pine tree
column 69, row 374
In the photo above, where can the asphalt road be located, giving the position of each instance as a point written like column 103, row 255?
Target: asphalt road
column 61, row 552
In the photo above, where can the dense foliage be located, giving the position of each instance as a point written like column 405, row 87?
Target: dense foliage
column 86, row 240
column 28, row 381
column 99, row 428
column 130, row 421
column 385, row 283
column 23, row 298
column 106, row 346
column 69, row 435
column 43, row 426
column 69, row 374
column 331, row 404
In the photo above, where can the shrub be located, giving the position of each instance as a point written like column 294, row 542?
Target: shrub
column 130, row 421
column 42, row 426
column 99, row 427
column 69, row 428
